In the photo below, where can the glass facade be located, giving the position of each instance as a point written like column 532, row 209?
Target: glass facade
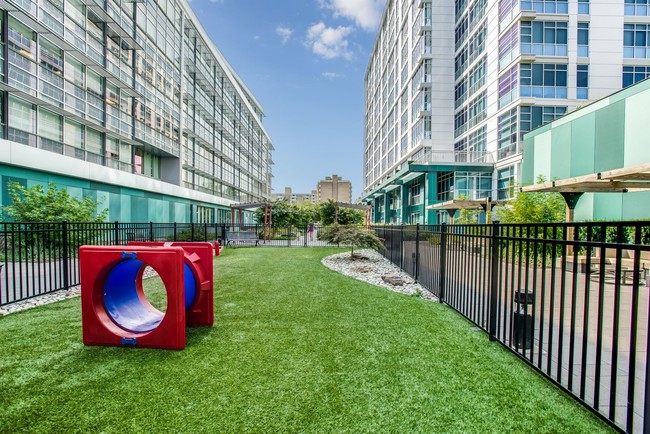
column 544, row 62
column 136, row 87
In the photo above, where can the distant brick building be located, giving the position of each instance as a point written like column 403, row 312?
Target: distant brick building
column 335, row 188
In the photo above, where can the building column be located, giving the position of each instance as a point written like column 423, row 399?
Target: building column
column 404, row 192
column 431, row 182
column 386, row 208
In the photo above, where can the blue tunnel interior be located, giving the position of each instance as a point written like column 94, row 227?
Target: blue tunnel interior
column 123, row 304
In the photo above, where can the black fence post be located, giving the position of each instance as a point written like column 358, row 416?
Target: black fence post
column 417, row 252
column 175, row 231
column 494, row 280
column 66, row 282
column 117, row 233
column 401, row 247
column 150, row 231
column 205, row 231
column 443, row 262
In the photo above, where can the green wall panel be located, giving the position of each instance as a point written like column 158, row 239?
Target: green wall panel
column 608, row 206
column 542, row 156
column 636, row 205
column 637, row 129
column 610, row 135
column 528, row 163
column 561, row 154
column 583, row 138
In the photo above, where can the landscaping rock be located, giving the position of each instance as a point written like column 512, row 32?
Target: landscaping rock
column 378, row 266
column 393, row 280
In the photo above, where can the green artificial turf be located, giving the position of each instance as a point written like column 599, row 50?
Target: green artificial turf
column 295, row 348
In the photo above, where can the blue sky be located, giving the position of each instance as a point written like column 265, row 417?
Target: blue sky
column 305, row 61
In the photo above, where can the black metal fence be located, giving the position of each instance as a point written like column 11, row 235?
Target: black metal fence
column 570, row 299
column 40, row 258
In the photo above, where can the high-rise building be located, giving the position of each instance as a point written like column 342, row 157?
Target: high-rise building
column 451, row 87
column 130, row 103
column 334, row 188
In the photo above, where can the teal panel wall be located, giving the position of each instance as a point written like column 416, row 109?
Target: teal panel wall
column 528, row 163
column 610, row 137
column 637, row 144
column 124, row 204
column 608, row 206
column 561, row 155
column 583, row 139
column 636, row 205
column 542, row 157
column 431, row 178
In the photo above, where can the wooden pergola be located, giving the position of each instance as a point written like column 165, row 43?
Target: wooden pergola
column 237, row 209
column 627, row 179
column 361, row 207
column 451, row 206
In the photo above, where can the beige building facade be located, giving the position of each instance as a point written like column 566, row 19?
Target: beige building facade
column 334, row 188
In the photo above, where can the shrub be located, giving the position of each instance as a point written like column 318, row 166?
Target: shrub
column 351, row 235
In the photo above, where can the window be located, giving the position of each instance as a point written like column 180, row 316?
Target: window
column 545, row 7
column 634, row 74
column 508, row 9
column 22, row 121
column 637, row 8
column 477, row 142
column 508, row 90
column 531, row 117
column 460, row 122
column 582, row 82
column 636, row 41
column 583, row 7
column 73, row 135
column 22, row 39
column 583, row 39
column 477, row 109
column 50, row 125
column 546, row 80
column 544, row 38
column 508, row 46
column 507, row 138
column 505, row 182
column 51, row 57
column 415, row 197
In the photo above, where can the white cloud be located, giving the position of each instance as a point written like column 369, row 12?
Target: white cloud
column 284, row 33
column 332, row 75
column 365, row 13
column 329, row 42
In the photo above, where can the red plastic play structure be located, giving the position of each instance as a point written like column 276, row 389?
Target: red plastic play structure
column 115, row 310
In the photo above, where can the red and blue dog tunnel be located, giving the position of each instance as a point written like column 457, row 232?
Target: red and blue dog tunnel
column 115, row 309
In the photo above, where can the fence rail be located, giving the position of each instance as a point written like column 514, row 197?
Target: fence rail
column 569, row 299
column 40, row 258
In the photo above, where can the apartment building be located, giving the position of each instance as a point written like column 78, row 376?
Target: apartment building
column 130, row 103
column 290, row 197
column 452, row 87
column 334, row 188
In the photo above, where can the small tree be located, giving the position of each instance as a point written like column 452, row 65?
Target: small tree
column 531, row 207
column 345, row 216
column 352, row 235
column 35, row 204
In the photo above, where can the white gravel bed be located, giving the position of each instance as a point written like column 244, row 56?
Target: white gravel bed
column 51, row 297
column 372, row 269
column 40, row 300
